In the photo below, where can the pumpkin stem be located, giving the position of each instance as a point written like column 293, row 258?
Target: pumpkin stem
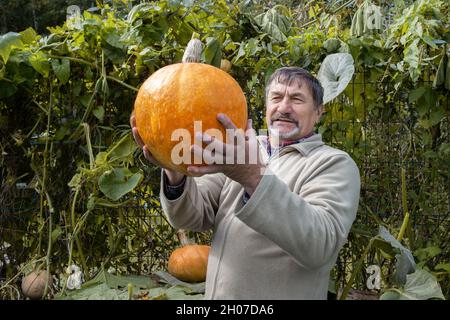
column 193, row 50
column 183, row 237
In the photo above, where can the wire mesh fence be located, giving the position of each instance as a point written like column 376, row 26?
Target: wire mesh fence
column 377, row 127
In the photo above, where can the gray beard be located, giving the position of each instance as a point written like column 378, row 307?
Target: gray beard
column 284, row 135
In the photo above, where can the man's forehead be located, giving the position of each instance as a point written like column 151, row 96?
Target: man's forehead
column 295, row 86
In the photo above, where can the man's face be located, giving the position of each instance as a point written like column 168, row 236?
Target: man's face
column 291, row 111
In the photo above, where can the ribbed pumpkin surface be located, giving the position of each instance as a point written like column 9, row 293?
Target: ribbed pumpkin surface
column 189, row 263
column 179, row 94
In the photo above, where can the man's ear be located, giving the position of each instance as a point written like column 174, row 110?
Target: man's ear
column 320, row 110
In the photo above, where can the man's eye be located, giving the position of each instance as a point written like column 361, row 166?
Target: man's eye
column 276, row 98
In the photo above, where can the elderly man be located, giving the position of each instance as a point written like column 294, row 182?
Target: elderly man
column 279, row 222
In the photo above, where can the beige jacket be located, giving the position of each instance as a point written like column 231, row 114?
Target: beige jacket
column 284, row 241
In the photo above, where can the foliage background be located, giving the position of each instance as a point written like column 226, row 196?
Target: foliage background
column 66, row 93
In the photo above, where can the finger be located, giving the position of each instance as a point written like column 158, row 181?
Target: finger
column 225, row 121
column 149, row 156
column 250, row 133
column 137, row 137
column 215, row 144
column 132, row 120
column 201, row 170
column 249, row 124
column 203, row 137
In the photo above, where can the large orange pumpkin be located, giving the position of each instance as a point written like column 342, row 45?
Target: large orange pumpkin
column 176, row 96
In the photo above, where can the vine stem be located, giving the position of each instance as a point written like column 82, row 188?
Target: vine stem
column 405, row 207
column 183, row 237
column 74, row 237
column 89, row 146
column 73, row 59
column 358, row 267
column 122, row 83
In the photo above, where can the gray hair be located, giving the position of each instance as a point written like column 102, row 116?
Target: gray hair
column 286, row 75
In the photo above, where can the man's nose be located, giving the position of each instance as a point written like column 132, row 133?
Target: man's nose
column 284, row 106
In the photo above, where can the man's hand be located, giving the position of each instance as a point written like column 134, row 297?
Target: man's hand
column 173, row 176
column 238, row 159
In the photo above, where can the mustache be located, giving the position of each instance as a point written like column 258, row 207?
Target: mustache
column 282, row 117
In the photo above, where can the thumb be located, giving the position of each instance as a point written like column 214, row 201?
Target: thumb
column 249, row 131
column 249, row 124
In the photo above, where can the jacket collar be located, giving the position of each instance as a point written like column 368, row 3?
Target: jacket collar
column 304, row 147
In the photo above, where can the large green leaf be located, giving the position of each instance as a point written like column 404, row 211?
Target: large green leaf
column 213, row 52
column 40, row 63
column 405, row 263
column 335, row 73
column 28, row 36
column 274, row 24
column 7, row 89
column 117, row 182
column 122, row 150
column 118, row 282
column 420, row 285
column 171, row 280
column 8, row 42
column 61, row 69
column 106, row 286
column 411, row 57
column 439, row 79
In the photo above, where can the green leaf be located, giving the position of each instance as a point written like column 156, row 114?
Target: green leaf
column 390, row 295
column 56, row 233
column 118, row 182
column 384, row 246
column 8, row 42
column 416, row 94
column 405, row 263
column 439, row 79
column 429, row 40
column 122, row 150
column 28, row 36
column 40, row 63
column 443, row 266
column 332, row 45
column 106, row 286
column 99, row 112
column 213, row 52
column 411, row 57
column 335, row 73
column 241, row 53
column 274, row 24
column 169, row 279
column 182, row 293
column 420, row 285
column 75, row 181
column 427, row 253
column 7, row 89
column 61, row 69
column 403, row 266
column 101, row 159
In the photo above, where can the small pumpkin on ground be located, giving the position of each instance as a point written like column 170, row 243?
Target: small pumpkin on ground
column 189, row 263
column 33, row 284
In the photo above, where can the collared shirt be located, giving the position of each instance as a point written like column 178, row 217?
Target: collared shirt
column 274, row 151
